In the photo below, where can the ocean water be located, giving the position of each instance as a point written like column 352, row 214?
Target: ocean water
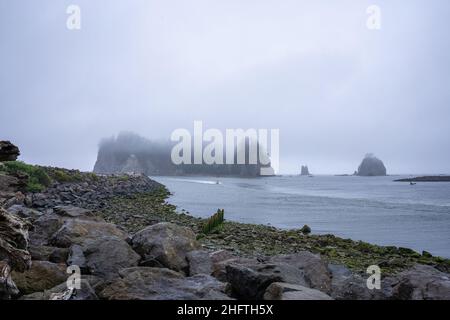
column 372, row 209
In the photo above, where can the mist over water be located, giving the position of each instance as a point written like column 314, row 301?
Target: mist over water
column 372, row 209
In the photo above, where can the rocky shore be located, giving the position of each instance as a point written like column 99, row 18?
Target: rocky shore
column 129, row 243
column 425, row 179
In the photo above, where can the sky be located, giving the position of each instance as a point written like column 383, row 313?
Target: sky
column 334, row 88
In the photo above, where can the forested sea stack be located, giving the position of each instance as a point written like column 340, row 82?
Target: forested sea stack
column 371, row 166
column 130, row 153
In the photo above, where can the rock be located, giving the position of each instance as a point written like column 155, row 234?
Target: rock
column 304, row 171
column 146, row 283
column 24, row 212
column 421, row 283
column 288, row 291
column 199, row 262
column 347, row 285
column 14, row 241
column 77, row 258
column 250, row 281
column 167, row 244
column 47, row 253
column 78, row 231
column 371, row 166
column 106, row 256
column 314, row 268
column 10, row 184
column 72, row 212
column 305, row 229
column 8, row 151
column 44, row 228
column 41, row 276
column 85, row 293
column 7, row 286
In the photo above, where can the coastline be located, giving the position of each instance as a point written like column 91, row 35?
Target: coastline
column 255, row 240
column 105, row 224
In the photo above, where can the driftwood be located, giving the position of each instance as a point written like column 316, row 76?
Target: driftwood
column 14, row 241
column 7, row 286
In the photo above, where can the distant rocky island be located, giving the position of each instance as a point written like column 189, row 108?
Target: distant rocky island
column 131, row 153
column 304, row 171
column 371, row 166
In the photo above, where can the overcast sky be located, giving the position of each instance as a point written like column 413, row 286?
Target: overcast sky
column 334, row 88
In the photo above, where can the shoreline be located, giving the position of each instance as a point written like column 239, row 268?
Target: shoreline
column 108, row 224
column 250, row 240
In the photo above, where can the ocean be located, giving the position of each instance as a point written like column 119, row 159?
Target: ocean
column 373, row 209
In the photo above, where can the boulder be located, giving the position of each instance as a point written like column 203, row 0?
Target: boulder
column 8, row 151
column 106, row 256
column 72, row 212
column 44, row 228
column 47, row 253
column 199, row 262
column 10, row 184
column 288, row 291
column 250, row 281
column 86, row 292
column 24, row 212
column 371, row 166
column 347, row 285
column 80, row 231
column 313, row 267
column 146, row 283
column 421, row 283
column 165, row 244
column 41, row 276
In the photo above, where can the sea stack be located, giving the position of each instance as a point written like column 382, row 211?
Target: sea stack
column 305, row 171
column 371, row 166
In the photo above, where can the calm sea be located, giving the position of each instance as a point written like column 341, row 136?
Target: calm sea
column 372, row 209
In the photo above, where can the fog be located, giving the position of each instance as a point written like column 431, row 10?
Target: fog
column 335, row 89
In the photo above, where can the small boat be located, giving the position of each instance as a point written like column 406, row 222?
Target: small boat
column 412, row 183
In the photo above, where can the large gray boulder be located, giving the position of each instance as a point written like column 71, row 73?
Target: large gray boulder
column 81, row 231
column 249, row 279
column 347, row 285
column 41, row 276
column 371, row 166
column 314, row 268
column 422, row 283
column 146, row 283
column 165, row 245
column 104, row 257
column 288, row 291
column 86, row 292
column 199, row 262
